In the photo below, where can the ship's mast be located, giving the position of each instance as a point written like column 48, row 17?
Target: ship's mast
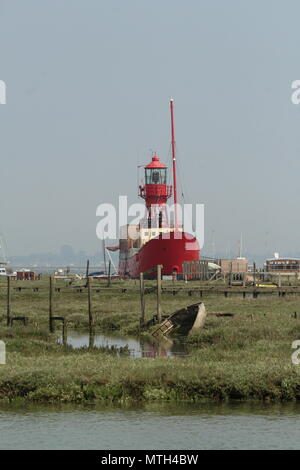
column 174, row 162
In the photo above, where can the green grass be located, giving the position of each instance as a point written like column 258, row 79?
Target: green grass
column 245, row 357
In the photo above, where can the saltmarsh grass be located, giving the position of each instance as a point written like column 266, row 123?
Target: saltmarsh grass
column 244, row 357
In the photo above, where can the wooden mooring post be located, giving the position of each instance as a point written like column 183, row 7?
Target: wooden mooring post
column 8, row 310
column 64, row 333
column 90, row 307
column 142, row 299
column 255, row 292
column 64, row 328
column 109, row 274
column 51, row 324
column 91, row 339
column 159, row 268
column 254, row 274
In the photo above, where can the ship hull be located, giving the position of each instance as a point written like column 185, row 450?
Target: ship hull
column 170, row 252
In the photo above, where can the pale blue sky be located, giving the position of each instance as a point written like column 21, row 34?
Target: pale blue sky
column 88, row 85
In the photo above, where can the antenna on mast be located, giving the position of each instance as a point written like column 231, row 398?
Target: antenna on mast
column 174, row 162
column 240, row 246
column 213, row 244
column 3, row 259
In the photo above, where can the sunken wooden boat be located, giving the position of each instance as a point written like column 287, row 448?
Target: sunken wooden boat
column 183, row 321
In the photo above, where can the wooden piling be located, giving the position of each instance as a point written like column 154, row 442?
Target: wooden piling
column 64, row 333
column 64, row 327
column 109, row 274
column 91, row 339
column 51, row 323
column 254, row 274
column 8, row 300
column 90, row 311
column 87, row 268
column 142, row 298
column 159, row 292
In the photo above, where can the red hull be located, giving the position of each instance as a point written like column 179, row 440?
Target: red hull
column 170, row 253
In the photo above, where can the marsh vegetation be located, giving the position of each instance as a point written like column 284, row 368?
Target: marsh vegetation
column 247, row 356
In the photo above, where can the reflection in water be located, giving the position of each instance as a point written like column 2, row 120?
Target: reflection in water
column 165, row 347
column 138, row 347
column 161, row 348
column 64, row 334
column 92, row 339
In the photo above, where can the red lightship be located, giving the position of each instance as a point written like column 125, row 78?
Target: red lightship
column 155, row 240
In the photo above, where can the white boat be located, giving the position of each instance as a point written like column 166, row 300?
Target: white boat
column 3, row 272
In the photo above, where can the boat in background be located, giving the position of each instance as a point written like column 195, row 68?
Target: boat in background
column 156, row 241
column 3, row 272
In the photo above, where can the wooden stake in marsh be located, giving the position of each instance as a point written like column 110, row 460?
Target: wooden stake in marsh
column 109, row 274
column 51, row 324
column 159, row 266
column 91, row 339
column 8, row 300
column 142, row 297
column 64, row 332
column 90, row 312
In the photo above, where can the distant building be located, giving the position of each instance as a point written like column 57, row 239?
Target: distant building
column 235, row 265
column 26, row 276
column 283, row 265
column 206, row 269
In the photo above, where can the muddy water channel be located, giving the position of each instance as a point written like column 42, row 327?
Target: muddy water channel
column 136, row 347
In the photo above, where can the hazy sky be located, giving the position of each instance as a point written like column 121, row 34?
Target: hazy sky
column 88, row 85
